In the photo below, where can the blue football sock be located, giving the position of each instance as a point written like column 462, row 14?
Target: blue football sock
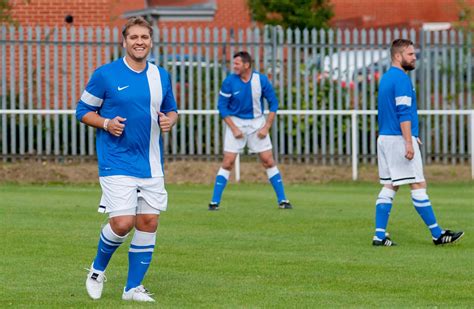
column 274, row 177
column 422, row 205
column 219, row 186
column 108, row 243
column 139, row 257
column 383, row 205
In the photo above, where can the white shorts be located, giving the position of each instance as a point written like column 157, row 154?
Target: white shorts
column 249, row 128
column 126, row 195
column 394, row 168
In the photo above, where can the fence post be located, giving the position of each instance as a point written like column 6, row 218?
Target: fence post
column 354, row 145
column 237, row 168
column 274, row 46
column 472, row 144
column 422, row 97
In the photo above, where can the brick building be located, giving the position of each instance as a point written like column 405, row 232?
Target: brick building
column 396, row 13
column 229, row 13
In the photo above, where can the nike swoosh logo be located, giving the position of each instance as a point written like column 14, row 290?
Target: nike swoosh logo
column 141, row 262
column 122, row 88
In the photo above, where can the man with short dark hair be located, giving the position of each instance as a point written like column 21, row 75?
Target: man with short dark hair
column 130, row 102
column 241, row 106
column 399, row 157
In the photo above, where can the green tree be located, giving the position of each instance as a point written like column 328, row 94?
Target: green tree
column 292, row 13
column 465, row 16
column 5, row 12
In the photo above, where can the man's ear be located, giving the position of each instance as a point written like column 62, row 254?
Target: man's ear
column 398, row 57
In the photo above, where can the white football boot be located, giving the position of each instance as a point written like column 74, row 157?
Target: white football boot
column 95, row 282
column 137, row 294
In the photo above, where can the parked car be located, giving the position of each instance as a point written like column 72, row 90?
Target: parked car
column 347, row 66
column 182, row 80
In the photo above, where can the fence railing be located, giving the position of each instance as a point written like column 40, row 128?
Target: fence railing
column 311, row 70
column 354, row 143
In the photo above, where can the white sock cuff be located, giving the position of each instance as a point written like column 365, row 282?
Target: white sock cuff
column 388, row 193
column 224, row 173
column 110, row 234
column 141, row 238
column 419, row 194
column 272, row 171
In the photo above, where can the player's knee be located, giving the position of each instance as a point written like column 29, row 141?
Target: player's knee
column 121, row 226
column 391, row 187
column 418, row 185
column 386, row 196
column 228, row 164
column 147, row 223
column 268, row 163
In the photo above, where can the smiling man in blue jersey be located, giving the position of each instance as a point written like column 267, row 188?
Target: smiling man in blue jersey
column 241, row 106
column 131, row 103
column 398, row 151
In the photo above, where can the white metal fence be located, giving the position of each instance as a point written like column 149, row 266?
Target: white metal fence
column 313, row 71
column 355, row 128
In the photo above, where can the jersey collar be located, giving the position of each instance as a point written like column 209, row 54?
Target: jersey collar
column 128, row 66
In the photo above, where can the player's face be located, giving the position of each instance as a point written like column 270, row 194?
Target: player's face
column 239, row 66
column 408, row 61
column 138, row 43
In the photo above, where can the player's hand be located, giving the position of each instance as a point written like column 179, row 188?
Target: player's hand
column 165, row 122
column 409, row 150
column 263, row 132
column 115, row 126
column 237, row 133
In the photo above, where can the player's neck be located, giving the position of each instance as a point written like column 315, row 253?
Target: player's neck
column 245, row 76
column 137, row 66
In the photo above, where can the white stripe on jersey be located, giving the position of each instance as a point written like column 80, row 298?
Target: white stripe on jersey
column 91, row 99
column 156, row 97
column 403, row 101
column 227, row 95
column 256, row 87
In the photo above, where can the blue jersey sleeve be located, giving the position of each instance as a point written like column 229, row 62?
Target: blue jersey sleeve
column 92, row 97
column 269, row 93
column 403, row 99
column 169, row 103
column 224, row 98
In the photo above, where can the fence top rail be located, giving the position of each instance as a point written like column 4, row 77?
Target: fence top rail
column 215, row 112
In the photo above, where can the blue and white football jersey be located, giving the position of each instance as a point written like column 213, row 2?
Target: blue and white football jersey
column 396, row 103
column 115, row 89
column 245, row 100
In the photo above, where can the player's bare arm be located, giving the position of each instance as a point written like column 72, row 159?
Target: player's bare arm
column 167, row 121
column 406, row 132
column 235, row 130
column 114, row 126
column 263, row 132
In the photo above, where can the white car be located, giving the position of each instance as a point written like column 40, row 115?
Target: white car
column 347, row 66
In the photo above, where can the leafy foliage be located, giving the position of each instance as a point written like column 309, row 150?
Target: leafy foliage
column 5, row 12
column 292, row 13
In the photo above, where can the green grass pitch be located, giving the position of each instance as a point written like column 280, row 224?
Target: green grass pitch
column 248, row 254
